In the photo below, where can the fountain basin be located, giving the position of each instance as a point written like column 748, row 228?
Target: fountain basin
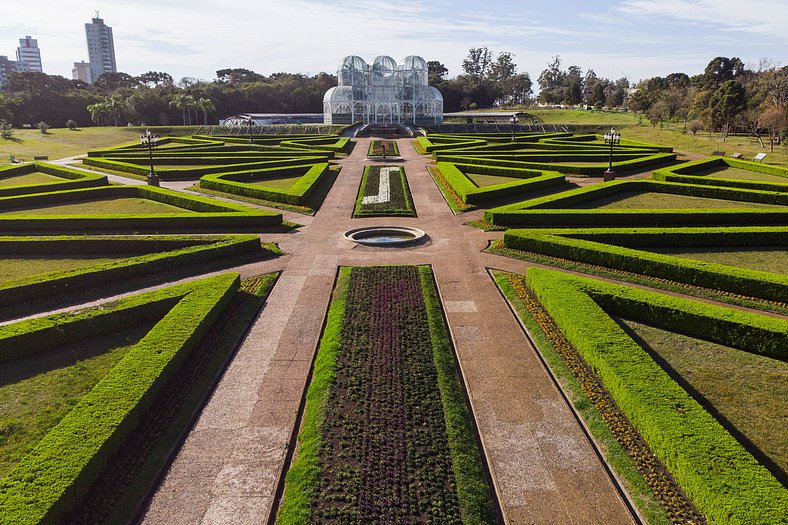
column 384, row 235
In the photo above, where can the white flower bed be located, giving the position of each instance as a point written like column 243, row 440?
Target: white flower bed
column 384, row 188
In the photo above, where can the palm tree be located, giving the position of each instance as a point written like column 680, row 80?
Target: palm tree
column 190, row 105
column 205, row 105
column 98, row 112
column 115, row 105
column 181, row 101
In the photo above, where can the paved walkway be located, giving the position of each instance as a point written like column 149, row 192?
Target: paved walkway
column 544, row 469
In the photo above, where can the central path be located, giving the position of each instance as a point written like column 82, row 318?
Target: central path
column 543, row 467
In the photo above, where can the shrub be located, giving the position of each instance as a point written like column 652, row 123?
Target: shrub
column 43, row 127
column 71, row 124
column 6, row 130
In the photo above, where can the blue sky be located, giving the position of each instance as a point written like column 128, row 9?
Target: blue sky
column 633, row 38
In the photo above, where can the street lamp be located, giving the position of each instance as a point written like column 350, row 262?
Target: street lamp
column 514, row 123
column 151, row 141
column 612, row 137
column 251, row 132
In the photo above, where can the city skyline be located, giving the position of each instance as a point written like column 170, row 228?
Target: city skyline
column 633, row 38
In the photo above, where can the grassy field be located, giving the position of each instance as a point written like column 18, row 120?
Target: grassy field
column 482, row 180
column 38, row 391
column 773, row 260
column 281, row 183
column 62, row 142
column 30, row 178
column 752, row 397
column 630, row 200
column 740, row 174
column 637, row 127
column 16, row 267
column 124, row 205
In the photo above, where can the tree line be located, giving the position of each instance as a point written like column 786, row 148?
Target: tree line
column 726, row 97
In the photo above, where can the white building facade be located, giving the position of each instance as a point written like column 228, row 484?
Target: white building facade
column 28, row 55
column 101, row 48
column 383, row 93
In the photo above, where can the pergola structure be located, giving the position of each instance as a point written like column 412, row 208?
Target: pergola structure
column 383, row 93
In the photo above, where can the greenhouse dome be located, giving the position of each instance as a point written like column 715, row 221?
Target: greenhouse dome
column 383, row 93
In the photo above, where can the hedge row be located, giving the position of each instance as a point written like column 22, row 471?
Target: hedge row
column 53, row 477
column 725, row 482
column 74, row 179
column 214, row 165
column 515, row 161
column 238, row 183
column 598, row 246
column 171, row 253
column 686, row 173
column 532, row 180
column 555, row 209
column 209, row 214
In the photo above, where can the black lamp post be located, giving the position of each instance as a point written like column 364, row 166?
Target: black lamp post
column 612, row 137
column 514, row 123
column 151, row 141
column 251, row 128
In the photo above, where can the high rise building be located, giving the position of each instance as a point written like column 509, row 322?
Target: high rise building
column 81, row 71
column 101, row 48
column 6, row 68
column 28, row 55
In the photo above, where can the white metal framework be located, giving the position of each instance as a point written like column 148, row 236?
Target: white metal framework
column 383, row 93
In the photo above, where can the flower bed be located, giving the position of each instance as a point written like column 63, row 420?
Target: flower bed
column 384, row 192
column 386, row 435
column 379, row 148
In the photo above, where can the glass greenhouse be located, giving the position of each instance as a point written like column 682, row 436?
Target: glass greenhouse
column 383, row 93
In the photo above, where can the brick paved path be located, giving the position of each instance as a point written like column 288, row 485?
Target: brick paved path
column 544, row 469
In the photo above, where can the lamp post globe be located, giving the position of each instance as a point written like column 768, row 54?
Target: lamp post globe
column 150, row 141
column 251, row 130
column 514, row 121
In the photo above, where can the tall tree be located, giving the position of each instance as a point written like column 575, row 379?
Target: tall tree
column 205, row 105
column 436, row 73
column 503, row 68
column 728, row 101
column 551, row 82
column 478, row 62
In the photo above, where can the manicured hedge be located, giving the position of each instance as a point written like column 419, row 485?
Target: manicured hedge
column 237, row 182
column 601, row 247
column 543, row 162
column 685, row 173
column 532, row 180
column 144, row 256
column 556, row 210
column 52, row 478
column 199, row 212
column 725, row 482
column 74, row 179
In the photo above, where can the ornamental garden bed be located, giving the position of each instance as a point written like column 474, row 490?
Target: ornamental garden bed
column 728, row 172
column 566, row 209
column 60, row 455
column 87, row 212
column 40, row 177
column 62, row 270
column 379, row 148
column 384, row 192
column 682, row 429
column 386, row 433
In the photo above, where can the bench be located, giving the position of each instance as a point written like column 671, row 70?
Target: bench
column 717, row 153
column 736, row 155
column 41, row 157
column 759, row 157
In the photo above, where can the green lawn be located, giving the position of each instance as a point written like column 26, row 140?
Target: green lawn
column 120, row 205
column 281, row 183
column 748, row 390
column 637, row 127
column 631, row 200
column 38, row 391
column 736, row 173
column 766, row 259
column 19, row 267
column 61, row 142
column 482, row 181
column 29, row 178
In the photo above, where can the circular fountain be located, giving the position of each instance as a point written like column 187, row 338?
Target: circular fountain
column 384, row 235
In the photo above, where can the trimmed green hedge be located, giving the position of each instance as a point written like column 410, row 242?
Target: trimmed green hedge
column 53, row 477
column 237, row 183
column 199, row 212
column 634, row 162
column 556, row 210
column 685, row 173
column 725, row 482
column 454, row 174
column 74, row 179
column 599, row 246
column 170, row 253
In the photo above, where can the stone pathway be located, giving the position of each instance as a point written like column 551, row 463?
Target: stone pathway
column 543, row 466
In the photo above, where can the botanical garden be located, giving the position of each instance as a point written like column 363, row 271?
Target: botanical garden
column 558, row 348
